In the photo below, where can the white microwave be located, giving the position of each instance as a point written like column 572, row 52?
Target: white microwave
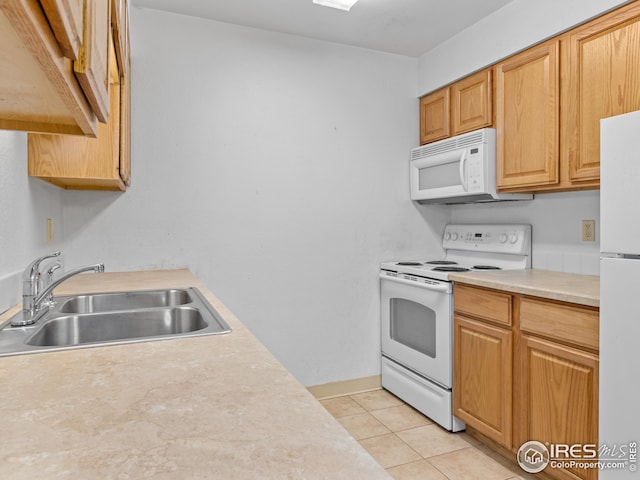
column 461, row 169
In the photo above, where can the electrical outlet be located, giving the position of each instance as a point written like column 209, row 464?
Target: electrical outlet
column 588, row 230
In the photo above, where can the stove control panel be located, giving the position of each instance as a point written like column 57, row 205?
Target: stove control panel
column 496, row 238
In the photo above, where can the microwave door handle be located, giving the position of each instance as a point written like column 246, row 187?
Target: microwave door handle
column 463, row 177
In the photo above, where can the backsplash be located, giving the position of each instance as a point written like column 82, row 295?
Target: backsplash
column 585, row 264
column 556, row 220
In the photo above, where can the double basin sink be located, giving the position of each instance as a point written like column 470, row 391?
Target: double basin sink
column 82, row 321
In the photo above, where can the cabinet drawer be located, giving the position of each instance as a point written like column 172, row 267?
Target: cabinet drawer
column 486, row 304
column 569, row 323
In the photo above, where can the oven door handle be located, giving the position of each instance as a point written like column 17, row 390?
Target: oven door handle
column 433, row 285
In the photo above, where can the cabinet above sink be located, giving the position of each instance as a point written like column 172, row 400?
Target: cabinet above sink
column 46, row 85
column 65, row 78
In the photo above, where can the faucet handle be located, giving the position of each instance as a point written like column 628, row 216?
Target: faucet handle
column 52, row 269
column 32, row 269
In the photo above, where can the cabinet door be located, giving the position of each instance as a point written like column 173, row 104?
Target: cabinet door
column 125, row 121
column 527, row 118
column 87, row 163
column 120, row 25
column 92, row 66
column 482, row 376
column 602, row 68
column 434, row 116
column 38, row 89
column 471, row 104
column 66, row 18
column 559, row 395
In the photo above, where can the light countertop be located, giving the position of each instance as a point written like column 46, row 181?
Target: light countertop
column 219, row 407
column 565, row 287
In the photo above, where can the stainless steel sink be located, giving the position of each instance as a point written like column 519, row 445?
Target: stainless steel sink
column 107, row 327
column 107, row 302
column 89, row 320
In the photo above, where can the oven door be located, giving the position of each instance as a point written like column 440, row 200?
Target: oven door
column 417, row 325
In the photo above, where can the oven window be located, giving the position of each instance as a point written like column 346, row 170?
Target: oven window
column 414, row 325
column 438, row 176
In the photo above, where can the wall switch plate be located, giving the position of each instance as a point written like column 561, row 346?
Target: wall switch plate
column 588, row 230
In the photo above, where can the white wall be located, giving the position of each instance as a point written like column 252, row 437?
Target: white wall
column 516, row 26
column 274, row 167
column 25, row 205
column 556, row 218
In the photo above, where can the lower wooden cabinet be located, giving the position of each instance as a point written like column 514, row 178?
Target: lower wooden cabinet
column 483, row 378
column 559, row 392
column 526, row 368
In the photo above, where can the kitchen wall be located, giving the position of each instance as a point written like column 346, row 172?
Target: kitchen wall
column 275, row 168
column 556, row 218
column 25, row 205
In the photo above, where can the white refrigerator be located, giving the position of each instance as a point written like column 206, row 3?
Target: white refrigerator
column 619, row 419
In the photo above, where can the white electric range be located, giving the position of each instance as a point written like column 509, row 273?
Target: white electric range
column 416, row 312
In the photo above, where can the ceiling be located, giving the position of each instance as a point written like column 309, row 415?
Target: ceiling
column 405, row 27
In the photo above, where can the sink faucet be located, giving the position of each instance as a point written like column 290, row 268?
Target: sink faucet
column 32, row 299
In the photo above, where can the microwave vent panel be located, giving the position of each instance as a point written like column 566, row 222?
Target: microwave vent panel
column 454, row 143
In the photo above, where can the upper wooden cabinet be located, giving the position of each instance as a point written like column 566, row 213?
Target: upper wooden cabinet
column 527, row 118
column 92, row 66
column 66, row 18
column 601, row 69
column 549, row 134
column 435, row 123
column 549, row 100
column 38, row 87
column 104, row 162
column 471, row 105
column 461, row 107
column 54, row 70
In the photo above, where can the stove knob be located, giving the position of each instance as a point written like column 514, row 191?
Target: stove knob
column 454, row 236
column 513, row 238
column 503, row 237
column 447, row 235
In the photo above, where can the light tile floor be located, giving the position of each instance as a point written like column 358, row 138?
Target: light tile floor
column 410, row 446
